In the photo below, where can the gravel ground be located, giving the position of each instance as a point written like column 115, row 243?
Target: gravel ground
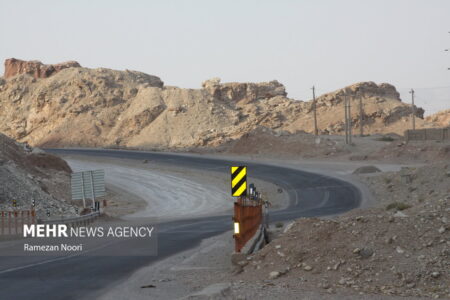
column 401, row 247
column 388, row 251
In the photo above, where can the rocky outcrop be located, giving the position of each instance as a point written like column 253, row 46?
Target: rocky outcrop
column 243, row 92
column 368, row 89
column 35, row 68
column 103, row 107
column 441, row 119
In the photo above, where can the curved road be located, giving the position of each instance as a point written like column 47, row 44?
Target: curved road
column 82, row 277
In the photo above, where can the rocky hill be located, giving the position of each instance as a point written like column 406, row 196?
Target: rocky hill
column 75, row 106
column 29, row 174
column 441, row 119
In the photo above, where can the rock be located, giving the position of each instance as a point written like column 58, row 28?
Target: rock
column 37, row 151
column 307, row 268
column 325, row 285
column 400, row 214
column 435, row 274
column 236, row 258
column 337, row 265
column 288, row 227
column 35, row 68
column 365, row 253
column 213, row 291
column 281, row 254
column 399, row 250
column 411, row 285
column 358, row 157
column 366, row 170
column 274, row 274
column 441, row 230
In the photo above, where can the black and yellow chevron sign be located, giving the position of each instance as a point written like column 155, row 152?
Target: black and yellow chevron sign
column 238, row 181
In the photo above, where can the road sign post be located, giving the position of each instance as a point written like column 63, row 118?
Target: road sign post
column 88, row 185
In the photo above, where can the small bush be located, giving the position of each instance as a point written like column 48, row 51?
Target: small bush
column 279, row 225
column 398, row 206
column 385, row 138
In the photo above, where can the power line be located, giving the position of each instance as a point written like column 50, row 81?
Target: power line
column 427, row 88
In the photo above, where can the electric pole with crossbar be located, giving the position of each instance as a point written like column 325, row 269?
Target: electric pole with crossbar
column 316, row 130
column 413, row 110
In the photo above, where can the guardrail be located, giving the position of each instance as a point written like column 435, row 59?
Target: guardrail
column 11, row 222
column 248, row 216
column 83, row 220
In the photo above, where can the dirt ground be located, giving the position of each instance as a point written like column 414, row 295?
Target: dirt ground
column 397, row 249
column 390, row 148
column 400, row 247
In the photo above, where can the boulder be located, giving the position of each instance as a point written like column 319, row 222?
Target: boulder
column 35, row 68
column 366, row 170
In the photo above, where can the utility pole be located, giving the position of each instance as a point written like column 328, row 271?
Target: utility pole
column 346, row 118
column 316, row 130
column 361, row 112
column 413, row 110
column 349, row 122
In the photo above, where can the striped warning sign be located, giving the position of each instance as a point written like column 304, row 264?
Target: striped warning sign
column 238, row 181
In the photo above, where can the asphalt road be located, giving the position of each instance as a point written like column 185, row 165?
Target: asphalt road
column 82, row 277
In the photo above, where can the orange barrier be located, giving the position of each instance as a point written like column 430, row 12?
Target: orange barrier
column 11, row 222
column 248, row 216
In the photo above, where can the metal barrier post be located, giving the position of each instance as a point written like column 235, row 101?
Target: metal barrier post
column 22, row 219
column 9, row 222
column 15, row 222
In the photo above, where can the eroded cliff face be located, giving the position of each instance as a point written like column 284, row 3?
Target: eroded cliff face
column 243, row 92
column 101, row 107
column 35, row 68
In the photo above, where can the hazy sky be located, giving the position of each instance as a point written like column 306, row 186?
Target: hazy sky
column 301, row 43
